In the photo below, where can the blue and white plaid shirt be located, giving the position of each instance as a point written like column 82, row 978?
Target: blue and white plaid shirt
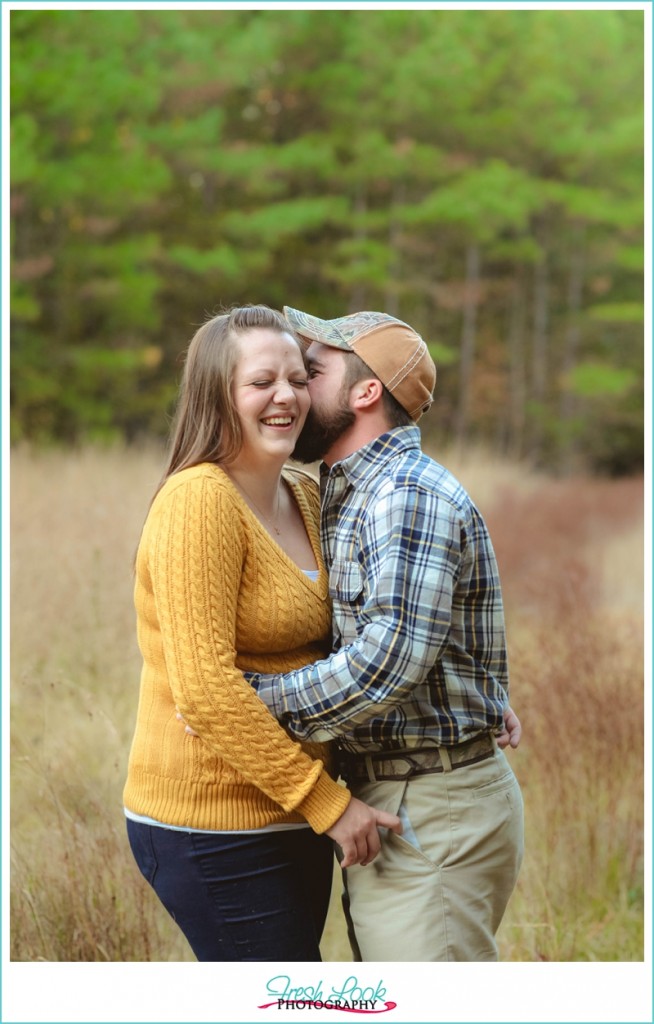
column 419, row 645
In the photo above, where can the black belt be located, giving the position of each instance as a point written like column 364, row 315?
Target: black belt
column 385, row 765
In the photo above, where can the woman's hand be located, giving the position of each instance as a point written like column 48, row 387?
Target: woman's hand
column 356, row 832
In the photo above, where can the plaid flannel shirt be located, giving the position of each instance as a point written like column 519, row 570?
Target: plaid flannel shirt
column 419, row 644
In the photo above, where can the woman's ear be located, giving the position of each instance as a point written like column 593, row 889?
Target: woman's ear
column 366, row 394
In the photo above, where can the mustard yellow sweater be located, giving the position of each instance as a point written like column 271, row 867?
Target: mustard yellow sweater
column 215, row 595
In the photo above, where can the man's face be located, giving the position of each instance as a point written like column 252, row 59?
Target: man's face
column 330, row 414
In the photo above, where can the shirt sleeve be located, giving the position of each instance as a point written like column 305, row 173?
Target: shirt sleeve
column 195, row 561
column 403, row 605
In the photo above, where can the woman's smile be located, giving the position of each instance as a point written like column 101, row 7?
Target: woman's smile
column 271, row 394
column 278, row 421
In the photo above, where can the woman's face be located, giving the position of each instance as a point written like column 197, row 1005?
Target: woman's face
column 270, row 392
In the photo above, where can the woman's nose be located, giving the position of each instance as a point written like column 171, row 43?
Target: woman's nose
column 283, row 392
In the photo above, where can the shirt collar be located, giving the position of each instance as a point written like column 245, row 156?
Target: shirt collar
column 370, row 460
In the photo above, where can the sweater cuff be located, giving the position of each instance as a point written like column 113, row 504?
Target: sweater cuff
column 325, row 803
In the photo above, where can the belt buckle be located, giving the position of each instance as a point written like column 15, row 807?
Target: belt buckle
column 378, row 775
column 411, row 767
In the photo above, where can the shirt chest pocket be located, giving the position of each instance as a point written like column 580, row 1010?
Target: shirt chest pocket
column 346, row 581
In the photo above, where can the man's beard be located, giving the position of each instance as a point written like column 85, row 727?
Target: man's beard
column 320, row 433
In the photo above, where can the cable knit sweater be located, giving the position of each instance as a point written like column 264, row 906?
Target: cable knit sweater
column 216, row 596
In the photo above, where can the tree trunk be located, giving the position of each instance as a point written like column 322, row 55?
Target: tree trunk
column 392, row 290
column 539, row 353
column 517, row 370
column 468, row 342
column 359, row 290
column 571, row 339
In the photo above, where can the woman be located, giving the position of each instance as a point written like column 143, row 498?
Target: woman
column 232, row 832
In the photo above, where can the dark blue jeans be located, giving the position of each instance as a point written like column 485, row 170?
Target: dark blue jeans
column 240, row 896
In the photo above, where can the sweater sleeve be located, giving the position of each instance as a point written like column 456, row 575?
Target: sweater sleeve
column 195, row 560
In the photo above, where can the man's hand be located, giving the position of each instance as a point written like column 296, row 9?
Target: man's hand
column 187, row 728
column 510, row 736
column 356, row 832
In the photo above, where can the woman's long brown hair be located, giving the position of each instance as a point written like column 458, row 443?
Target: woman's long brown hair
column 206, row 427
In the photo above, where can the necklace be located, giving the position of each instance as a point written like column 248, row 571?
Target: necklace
column 256, row 508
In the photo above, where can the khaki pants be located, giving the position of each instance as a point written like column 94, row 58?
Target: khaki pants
column 438, row 892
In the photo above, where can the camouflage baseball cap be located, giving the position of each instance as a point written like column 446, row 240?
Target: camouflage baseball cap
column 395, row 353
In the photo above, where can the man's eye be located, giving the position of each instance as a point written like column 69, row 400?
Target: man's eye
column 313, row 373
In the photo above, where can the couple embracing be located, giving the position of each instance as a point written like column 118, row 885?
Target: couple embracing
column 306, row 632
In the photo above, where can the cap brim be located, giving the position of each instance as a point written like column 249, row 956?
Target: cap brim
column 325, row 332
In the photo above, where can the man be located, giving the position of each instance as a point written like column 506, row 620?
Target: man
column 417, row 687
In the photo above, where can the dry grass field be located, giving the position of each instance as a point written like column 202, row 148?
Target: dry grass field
column 571, row 557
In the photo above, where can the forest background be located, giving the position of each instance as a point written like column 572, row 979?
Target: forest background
column 476, row 173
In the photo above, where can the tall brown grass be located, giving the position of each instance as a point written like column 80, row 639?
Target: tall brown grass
column 571, row 558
